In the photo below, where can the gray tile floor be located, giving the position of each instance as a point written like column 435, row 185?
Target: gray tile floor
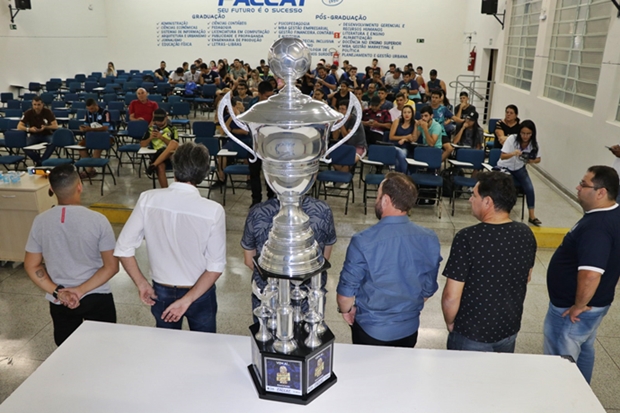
column 26, row 331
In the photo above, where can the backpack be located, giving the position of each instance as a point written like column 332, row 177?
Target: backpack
column 190, row 88
column 448, row 175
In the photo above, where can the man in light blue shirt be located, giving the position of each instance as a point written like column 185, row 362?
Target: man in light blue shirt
column 390, row 270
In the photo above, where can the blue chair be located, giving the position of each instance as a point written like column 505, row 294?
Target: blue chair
column 14, row 142
column 26, row 104
column 90, row 85
column 34, row 87
column 6, row 97
column 203, row 129
column 58, row 104
column 109, row 97
column 97, row 75
column 178, row 110
column 47, row 98
column 163, row 89
column 237, row 169
column 427, row 179
column 494, row 156
column 14, row 104
column 213, row 145
column 206, row 100
column 129, row 97
column 379, row 156
column 466, row 159
column 345, row 156
column 51, row 86
column 174, row 99
column 71, row 97
column 75, row 87
column 87, row 96
column 80, row 78
column 130, row 87
column 148, row 86
column 77, row 107
column 97, row 141
column 135, row 131
column 490, row 141
column 165, row 106
column 13, row 113
column 156, row 98
column 61, row 139
column 28, row 96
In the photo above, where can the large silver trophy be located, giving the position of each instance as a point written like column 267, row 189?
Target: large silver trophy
column 290, row 133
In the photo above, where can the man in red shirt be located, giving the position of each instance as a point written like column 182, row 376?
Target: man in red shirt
column 376, row 121
column 142, row 108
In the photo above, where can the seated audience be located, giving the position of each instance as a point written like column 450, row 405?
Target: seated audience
column 428, row 129
column 358, row 139
column 142, row 108
column 469, row 133
column 463, row 108
column 97, row 119
column 164, row 138
column 376, row 121
column 401, row 135
column 507, row 126
column 162, row 73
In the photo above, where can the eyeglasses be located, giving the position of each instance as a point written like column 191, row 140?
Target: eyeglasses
column 584, row 185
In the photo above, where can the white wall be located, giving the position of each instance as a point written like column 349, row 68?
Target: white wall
column 571, row 139
column 56, row 38
column 134, row 44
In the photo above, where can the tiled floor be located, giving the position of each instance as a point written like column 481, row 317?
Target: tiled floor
column 26, row 331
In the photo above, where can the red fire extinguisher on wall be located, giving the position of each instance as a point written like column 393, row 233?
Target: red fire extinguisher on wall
column 472, row 60
column 336, row 58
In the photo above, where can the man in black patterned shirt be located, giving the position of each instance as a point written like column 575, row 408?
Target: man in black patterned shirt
column 488, row 270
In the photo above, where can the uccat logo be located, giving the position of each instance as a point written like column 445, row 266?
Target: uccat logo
column 272, row 3
column 332, row 2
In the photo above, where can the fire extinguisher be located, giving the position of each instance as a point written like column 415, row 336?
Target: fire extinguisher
column 336, row 58
column 472, row 60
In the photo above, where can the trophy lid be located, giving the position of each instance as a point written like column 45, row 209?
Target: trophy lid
column 290, row 59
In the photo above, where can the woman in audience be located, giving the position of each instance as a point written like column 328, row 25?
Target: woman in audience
column 111, row 71
column 469, row 133
column 421, row 82
column 506, row 127
column 253, row 82
column 401, row 134
column 518, row 151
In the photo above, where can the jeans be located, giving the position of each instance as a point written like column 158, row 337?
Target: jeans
column 200, row 314
column 359, row 336
column 457, row 341
column 33, row 139
column 521, row 177
column 93, row 307
column 564, row 338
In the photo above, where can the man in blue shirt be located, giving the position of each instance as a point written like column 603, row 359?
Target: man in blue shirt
column 390, row 270
column 584, row 270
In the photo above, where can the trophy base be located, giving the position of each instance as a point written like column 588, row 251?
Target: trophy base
column 267, row 274
column 298, row 377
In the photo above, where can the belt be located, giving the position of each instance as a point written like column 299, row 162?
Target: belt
column 182, row 287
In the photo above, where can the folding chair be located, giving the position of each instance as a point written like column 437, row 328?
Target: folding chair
column 97, row 141
column 14, row 142
column 379, row 156
column 345, row 156
column 237, row 169
column 135, row 131
column 427, row 179
column 213, row 145
column 470, row 159
column 61, row 139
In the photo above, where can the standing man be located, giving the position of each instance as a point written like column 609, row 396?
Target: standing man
column 488, row 271
column 186, row 238
column 390, row 270
column 77, row 245
column 40, row 123
column 584, row 270
column 142, row 108
column 265, row 89
column 259, row 223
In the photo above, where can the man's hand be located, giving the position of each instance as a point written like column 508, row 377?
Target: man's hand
column 147, row 294
column 69, row 298
column 424, row 126
column 574, row 312
column 450, row 327
column 175, row 311
column 155, row 134
column 34, row 129
column 350, row 316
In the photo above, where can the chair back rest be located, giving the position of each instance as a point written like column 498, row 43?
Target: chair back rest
column 96, row 75
column 59, row 104
column 63, row 137
column 80, row 77
column 13, row 113
column 74, row 124
column 47, row 97
column 4, row 124
column 75, row 106
column 14, row 104
column 165, row 106
column 382, row 153
column 28, row 96
column 174, row 99
column 116, row 105
column 208, row 91
column 13, row 124
column 203, row 129
column 148, row 86
column 15, row 139
column 180, row 109
column 137, row 128
column 104, row 81
column 474, row 156
column 156, row 98
column 75, row 87
column 89, row 86
column 26, row 104
column 241, row 153
column 93, row 96
column 71, row 97
column 432, row 156
column 52, row 86
column 493, row 124
column 109, row 97
column 494, row 156
column 115, row 117
column 6, row 96
column 343, row 155
column 212, row 144
column 130, row 86
column 98, row 140
column 34, row 86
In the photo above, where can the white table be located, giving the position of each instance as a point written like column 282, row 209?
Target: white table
column 120, row 368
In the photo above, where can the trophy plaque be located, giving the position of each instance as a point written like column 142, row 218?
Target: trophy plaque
column 292, row 349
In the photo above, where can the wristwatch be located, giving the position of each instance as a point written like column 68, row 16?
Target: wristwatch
column 58, row 287
column 344, row 312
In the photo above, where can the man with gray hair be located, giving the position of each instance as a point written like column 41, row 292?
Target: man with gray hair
column 142, row 108
column 186, row 238
column 77, row 245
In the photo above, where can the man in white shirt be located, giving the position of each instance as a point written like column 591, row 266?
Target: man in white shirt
column 193, row 75
column 186, row 238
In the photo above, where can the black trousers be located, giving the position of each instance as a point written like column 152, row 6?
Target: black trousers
column 359, row 336
column 93, row 307
column 255, row 184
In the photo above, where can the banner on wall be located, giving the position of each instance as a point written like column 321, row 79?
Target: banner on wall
column 329, row 27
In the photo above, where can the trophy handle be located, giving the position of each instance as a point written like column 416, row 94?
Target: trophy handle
column 353, row 104
column 226, row 103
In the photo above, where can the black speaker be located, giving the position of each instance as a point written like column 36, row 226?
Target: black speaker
column 22, row 4
column 489, row 6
